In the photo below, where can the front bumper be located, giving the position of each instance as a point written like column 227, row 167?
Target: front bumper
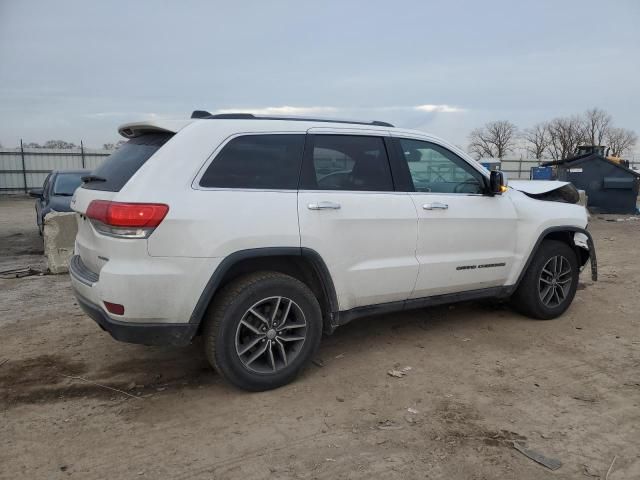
column 161, row 334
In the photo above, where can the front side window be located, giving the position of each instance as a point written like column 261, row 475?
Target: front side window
column 347, row 162
column 436, row 169
column 257, row 161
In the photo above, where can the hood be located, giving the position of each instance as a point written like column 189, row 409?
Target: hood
column 549, row 190
column 536, row 187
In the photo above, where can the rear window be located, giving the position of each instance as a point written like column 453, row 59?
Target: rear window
column 257, row 161
column 121, row 165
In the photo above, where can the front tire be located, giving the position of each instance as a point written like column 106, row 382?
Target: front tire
column 549, row 284
column 262, row 330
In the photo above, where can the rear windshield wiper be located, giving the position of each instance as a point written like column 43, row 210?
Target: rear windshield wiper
column 92, row 178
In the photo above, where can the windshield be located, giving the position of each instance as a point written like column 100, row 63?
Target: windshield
column 66, row 183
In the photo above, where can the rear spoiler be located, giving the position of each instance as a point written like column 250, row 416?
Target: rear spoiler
column 131, row 130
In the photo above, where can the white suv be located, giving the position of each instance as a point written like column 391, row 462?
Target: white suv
column 260, row 233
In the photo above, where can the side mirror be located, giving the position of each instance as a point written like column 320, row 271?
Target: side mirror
column 36, row 192
column 497, row 182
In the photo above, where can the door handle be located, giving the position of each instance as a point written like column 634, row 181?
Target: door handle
column 324, row 206
column 435, row 206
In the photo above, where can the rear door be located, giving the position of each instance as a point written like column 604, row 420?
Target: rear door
column 350, row 214
column 466, row 239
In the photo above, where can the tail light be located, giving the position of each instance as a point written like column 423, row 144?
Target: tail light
column 126, row 220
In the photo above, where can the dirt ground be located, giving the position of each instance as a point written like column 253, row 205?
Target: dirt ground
column 481, row 377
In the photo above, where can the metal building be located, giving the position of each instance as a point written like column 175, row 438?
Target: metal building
column 610, row 186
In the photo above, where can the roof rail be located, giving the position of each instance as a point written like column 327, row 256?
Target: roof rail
column 250, row 116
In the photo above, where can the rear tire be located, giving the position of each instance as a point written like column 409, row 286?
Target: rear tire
column 262, row 330
column 549, row 284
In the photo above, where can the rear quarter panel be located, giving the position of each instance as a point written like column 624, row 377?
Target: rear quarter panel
column 218, row 222
column 215, row 222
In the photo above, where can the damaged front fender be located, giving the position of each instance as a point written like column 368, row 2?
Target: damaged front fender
column 582, row 244
column 582, row 239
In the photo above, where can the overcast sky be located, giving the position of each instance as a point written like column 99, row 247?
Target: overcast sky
column 77, row 69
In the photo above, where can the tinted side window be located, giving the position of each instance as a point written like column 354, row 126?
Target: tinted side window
column 436, row 169
column 257, row 161
column 120, row 166
column 347, row 162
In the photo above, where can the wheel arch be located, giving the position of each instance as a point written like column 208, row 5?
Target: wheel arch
column 564, row 234
column 303, row 264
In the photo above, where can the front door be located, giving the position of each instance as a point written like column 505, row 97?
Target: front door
column 350, row 214
column 466, row 239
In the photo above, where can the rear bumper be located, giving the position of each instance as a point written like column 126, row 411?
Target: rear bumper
column 159, row 295
column 85, row 282
column 164, row 334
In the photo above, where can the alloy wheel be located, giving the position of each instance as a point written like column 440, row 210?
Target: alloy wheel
column 555, row 280
column 270, row 335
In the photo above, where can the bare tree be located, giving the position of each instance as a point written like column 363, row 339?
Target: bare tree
column 59, row 144
column 113, row 146
column 620, row 140
column 494, row 140
column 537, row 140
column 565, row 134
column 597, row 123
column 558, row 138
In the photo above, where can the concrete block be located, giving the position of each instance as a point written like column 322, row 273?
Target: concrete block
column 583, row 198
column 60, row 229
